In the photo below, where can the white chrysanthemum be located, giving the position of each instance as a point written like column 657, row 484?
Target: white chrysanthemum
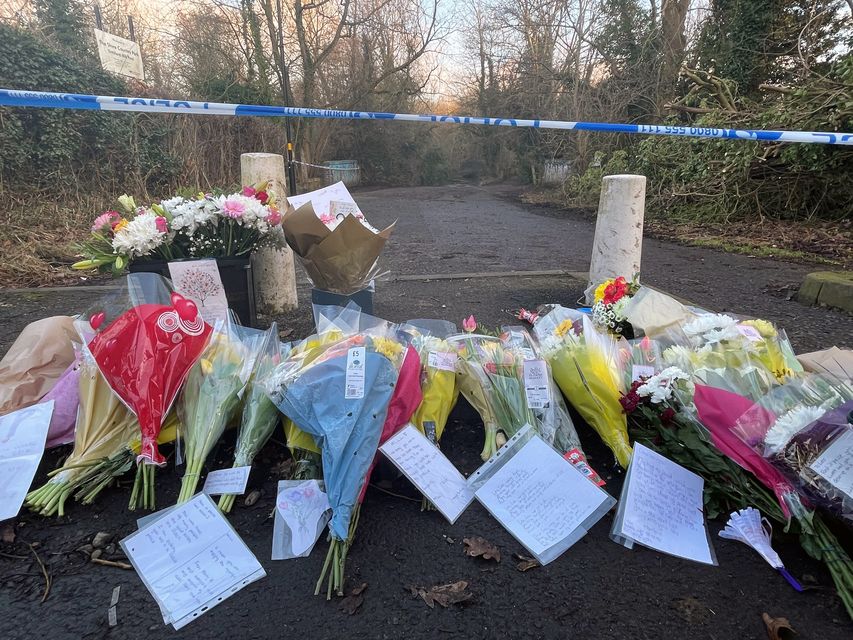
column 679, row 356
column 659, row 387
column 619, row 307
column 140, row 237
column 189, row 215
column 170, row 204
column 712, row 328
column 788, row 425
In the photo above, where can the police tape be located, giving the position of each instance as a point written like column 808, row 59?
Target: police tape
column 14, row 98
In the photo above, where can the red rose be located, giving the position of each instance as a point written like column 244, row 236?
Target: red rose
column 615, row 290
column 262, row 196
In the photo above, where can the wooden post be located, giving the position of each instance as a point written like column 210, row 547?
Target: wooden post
column 274, row 272
column 618, row 244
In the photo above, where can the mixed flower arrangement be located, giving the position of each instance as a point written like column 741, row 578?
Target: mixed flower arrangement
column 206, row 226
column 609, row 302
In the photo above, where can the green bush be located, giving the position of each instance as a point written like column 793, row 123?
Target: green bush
column 49, row 147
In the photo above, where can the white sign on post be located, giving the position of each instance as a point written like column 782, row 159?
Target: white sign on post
column 119, row 55
column 430, row 471
column 199, row 280
column 661, row 508
column 22, row 437
column 190, row 559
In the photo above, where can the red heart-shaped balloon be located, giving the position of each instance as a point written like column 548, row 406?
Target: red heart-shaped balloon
column 187, row 310
column 97, row 320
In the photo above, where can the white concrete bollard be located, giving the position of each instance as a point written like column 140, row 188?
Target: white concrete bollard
column 618, row 244
column 273, row 269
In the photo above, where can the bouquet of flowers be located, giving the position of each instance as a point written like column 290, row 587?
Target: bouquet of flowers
column 609, row 302
column 340, row 396
column 145, row 355
column 104, row 427
column 585, row 365
column 491, row 377
column 748, row 357
column 260, row 415
column 207, row 226
column 438, row 378
column 211, row 396
column 693, row 426
column 803, row 428
column 553, row 421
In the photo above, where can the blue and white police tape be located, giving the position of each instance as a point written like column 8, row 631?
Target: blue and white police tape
column 13, row 98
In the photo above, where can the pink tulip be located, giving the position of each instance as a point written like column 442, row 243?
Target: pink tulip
column 249, row 192
column 469, row 324
column 162, row 225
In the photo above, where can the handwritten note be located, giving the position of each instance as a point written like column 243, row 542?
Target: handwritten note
column 430, row 471
column 835, row 465
column 663, row 507
column 22, row 437
column 191, row 560
column 542, row 500
column 321, row 200
column 227, row 481
column 199, row 280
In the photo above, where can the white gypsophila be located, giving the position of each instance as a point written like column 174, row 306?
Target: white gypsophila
column 659, row 387
column 139, row 237
column 712, row 328
column 788, row 425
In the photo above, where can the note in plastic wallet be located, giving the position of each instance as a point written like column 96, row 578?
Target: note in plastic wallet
column 540, row 498
column 661, row 507
column 191, row 559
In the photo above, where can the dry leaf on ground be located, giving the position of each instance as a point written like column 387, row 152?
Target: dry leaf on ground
column 778, row 628
column 524, row 563
column 481, row 547
column 444, row 595
column 7, row 534
column 354, row 599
